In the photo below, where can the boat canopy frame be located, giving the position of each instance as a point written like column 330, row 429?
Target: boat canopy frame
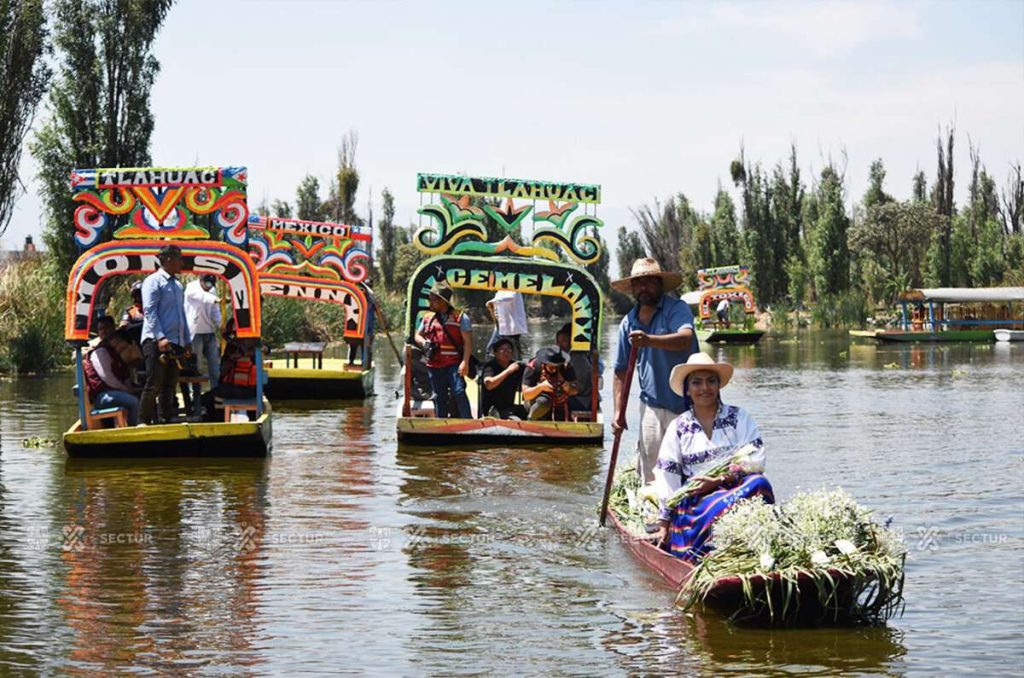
column 935, row 300
column 202, row 210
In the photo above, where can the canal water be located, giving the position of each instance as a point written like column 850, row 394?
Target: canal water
column 345, row 552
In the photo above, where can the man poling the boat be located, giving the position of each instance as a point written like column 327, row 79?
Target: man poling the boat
column 711, row 457
column 661, row 327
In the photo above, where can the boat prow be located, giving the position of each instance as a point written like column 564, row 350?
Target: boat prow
column 738, row 336
column 334, row 381
column 186, row 439
column 1009, row 335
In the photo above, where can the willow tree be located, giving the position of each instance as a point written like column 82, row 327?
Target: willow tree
column 98, row 107
column 23, row 78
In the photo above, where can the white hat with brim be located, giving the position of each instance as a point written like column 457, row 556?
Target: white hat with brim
column 699, row 362
column 643, row 268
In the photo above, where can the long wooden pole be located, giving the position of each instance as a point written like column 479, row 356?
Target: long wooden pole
column 620, row 420
column 383, row 323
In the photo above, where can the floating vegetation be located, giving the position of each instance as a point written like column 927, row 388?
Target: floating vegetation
column 821, row 539
column 38, row 442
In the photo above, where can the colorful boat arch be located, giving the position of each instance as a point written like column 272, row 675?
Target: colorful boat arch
column 527, row 276
column 115, row 258
column 724, row 282
column 319, row 261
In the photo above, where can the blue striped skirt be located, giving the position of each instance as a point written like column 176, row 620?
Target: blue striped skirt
column 695, row 516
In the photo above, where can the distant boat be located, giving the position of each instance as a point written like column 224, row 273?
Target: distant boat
column 1009, row 335
column 725, row 283
column 954, row 314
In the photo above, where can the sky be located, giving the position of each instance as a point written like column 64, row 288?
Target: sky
column 648, row 99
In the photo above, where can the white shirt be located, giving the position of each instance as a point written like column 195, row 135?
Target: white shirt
column 511, row 313
column 202, row 309
column 723, row 305
column 686, row 451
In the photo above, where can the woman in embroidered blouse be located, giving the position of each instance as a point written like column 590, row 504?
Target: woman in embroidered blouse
column 698, row 440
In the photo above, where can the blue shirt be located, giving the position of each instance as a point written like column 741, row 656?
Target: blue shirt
column 163, row 309
column 654, row 365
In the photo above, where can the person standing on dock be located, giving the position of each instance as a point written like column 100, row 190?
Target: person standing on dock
column 661, row 326
column 164, row 335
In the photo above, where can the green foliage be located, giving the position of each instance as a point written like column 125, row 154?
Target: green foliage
column 630, row 248
column 99, row 104
column 31, row 317
column 287, row 320
column 847, row 309
column 387, row 244
column 23, row 79
column 281, row 208
column 341, row 203
column 725, row 233
column 407, row 261
column 892, row 238
column 307, row 200
column 829, row 255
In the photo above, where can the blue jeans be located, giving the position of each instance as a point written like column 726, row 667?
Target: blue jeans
column 443, row 380
column 119, row 399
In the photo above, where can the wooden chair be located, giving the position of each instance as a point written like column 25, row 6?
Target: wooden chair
column 94, row 416
column 232, row 406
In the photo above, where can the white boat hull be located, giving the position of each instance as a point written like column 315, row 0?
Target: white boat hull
column 1009, row 335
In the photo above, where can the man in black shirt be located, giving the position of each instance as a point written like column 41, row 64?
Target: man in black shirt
column 548, row 384
column 503, row 377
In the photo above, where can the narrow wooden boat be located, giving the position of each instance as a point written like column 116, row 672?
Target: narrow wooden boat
column 327, row 263
column 186, row 439
column 1009, row 335
column 954, row 314
column 122, row 220
column 335, row 380
column 730, row 336
column 725, row 283
column 945, row 335
column 727, row 596
column 464, row 261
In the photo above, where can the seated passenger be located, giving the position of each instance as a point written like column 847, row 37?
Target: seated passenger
column 108, row 375
column 581, row 363
column 698, row 440
column 548, row 383
column 237, row 376
column 503, row 379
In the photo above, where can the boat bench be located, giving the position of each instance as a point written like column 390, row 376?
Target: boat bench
column 232, row 406
column 95, row 415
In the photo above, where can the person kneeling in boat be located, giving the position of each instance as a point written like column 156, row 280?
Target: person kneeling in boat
column 108, row 375
column 697, row 444
column 547, row 385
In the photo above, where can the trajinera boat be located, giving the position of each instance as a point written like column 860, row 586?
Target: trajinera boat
column 322, row 262
column 715, row 285
column 124, row 216
column 727, row 596
column 953, row 314
column 464, row 260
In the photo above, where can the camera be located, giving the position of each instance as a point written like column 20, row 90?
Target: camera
column 430, row 350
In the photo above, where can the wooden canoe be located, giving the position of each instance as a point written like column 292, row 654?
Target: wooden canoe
column 727, row 597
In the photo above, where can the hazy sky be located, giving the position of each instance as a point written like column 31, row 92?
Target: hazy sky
column 647, row 99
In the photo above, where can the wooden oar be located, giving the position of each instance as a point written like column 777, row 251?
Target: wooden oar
column 620, row 420
column 384, row 324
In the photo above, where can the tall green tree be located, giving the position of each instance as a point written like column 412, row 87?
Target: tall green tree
column 23, row 78
column 895, row 235
column 829, row 259
column 307, row 199
column 388, row 246
column 942, row 198
column 920, row 189
column 341, row 204
column 281, row 208
column 1011, row 209
column 761, row 234
column 876, row 195
column 630, row 248
column 725, row 233
column 98, row 107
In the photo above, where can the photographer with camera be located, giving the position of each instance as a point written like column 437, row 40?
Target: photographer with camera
column 547, row 385
column 165, row 336
column 446, row 337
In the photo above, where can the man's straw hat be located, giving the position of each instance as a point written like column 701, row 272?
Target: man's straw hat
column 643, row 268
column 699, row 362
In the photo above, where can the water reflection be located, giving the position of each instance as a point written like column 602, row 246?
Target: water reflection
column 162, row 545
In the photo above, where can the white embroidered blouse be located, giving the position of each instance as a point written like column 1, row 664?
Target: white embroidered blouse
column 686, row 451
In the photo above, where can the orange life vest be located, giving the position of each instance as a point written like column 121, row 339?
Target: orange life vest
column 242, row 372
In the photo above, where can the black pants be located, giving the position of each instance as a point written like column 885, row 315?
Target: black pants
column 162, row 381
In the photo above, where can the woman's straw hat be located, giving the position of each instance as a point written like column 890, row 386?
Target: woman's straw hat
column 699, row 362
column 643, row 268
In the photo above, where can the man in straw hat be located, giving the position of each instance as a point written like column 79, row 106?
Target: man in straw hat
column 446, row 337
column 661, row 326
